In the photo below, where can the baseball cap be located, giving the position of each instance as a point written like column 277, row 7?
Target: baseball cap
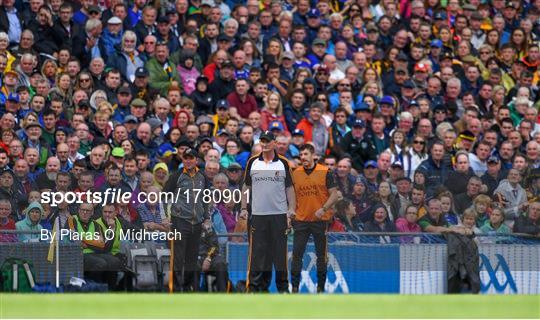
column 298, row 132
column 13, row 97
column 227, row 64
column 203, row 119
column 359, row 123
column 11, row 72
column 190, row 152
column 370, row 163
column 440, row 16
column 470, row 7
column 421, row 67
column 361, row 106
column 209, row 3
column 166, row 150
column 202, row 78
column 118, row 152
column 130, row 119
column 510, row 4
column 493, row 159
column 84, row 104
column 114, row 20
column 314, row 13
column 275, row 125
column 372, row 28
column 31, row 125
column 387, row 100
column 184, row 142
column 224, row 37
column 402, row 57
column 93, row 9
column 234, row 166
column 123, row 90
column 141, row 72
column 413, row 103
column 446, row 55
column 163, row 19
column 319, row 41
column 288, row 55
column 267, row 135
column 436, row 43
column 467, row 135
column 477, row 16
column 222, row 132
column 222, row 104
column 397, row 164
column 361, row 179
column 409, row 84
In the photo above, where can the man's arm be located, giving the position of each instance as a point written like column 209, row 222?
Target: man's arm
column 291, row 199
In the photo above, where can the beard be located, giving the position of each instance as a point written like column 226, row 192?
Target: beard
column 52, row 175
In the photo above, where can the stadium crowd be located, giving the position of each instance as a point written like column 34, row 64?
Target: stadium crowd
column 425, row 111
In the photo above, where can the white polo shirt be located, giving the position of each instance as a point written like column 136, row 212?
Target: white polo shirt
column 268, row 182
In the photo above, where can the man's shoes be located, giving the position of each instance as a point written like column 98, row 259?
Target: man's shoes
column 294, row 290
column 320, row 290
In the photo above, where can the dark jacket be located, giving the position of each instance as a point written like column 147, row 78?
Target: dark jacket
column 524, row 224
column 187, row 207
column 220, row 88
column 4, row 21
column 360, row 150
column 435, row 174
column 456, row 182
column 463, row 263
column 293, row 116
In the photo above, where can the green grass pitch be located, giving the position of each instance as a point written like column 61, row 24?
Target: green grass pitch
column 137, row 305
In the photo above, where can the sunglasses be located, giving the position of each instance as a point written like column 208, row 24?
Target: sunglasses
column 418, row 142
column 84, row 80
column 322, row 100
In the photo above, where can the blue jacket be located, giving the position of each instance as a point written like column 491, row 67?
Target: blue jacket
column 435, row 174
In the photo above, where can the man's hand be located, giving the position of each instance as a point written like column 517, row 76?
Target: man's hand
column 111, row 223
column 90, row 43
column 319, row 213
column 206, row 265
column 244, row 214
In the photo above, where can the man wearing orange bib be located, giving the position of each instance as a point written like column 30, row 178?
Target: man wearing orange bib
column 316, row 191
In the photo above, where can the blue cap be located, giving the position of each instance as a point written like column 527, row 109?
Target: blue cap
column 440, row 16
column 314, row 13
column 387, row 100
column 222, row 104
column 298, row 132
column 275, row 125
column 13, row 97
column 166, row 149
column 436, row 43
column 361, row 106
column 370, row 163
column 222, row 131
column 493, row 159
column 359, row 123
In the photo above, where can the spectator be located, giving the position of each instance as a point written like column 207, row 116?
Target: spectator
column 408, row 222
column 465, row 199
column 529, row 223
column 511, row 195
column 380, row 221
column 495, row 224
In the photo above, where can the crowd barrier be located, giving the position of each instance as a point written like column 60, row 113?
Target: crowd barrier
column 357, row 263
column 408, row 264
